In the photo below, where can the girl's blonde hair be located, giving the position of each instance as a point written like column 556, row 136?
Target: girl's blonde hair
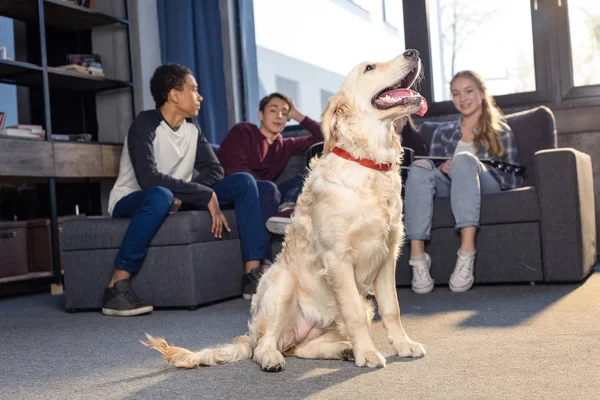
column 491, row 121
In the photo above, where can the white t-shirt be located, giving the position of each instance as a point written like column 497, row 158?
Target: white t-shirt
column 464, row 146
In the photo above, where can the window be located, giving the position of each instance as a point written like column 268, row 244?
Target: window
column 288, row 88
column 491, row 37
column 584, row 32
column 301, row 41
column 393, row 14
column 364, row 4
column 325, row 96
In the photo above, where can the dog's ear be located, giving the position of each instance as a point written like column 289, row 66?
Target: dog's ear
column 337, row 110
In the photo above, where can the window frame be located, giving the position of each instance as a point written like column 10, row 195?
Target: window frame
column 568, row 89
column 552, row 59
column 387, row 23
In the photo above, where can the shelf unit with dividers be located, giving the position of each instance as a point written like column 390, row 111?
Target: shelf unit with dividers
column 49, row 160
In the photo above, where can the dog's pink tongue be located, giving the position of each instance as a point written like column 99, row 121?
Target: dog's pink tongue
column 397, row 94
column 424, row 107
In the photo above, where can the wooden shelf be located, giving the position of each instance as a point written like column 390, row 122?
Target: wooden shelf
column 58, row 13
column 78, row 82
column 22, row 157
column 26, row 277
column 45, row 159
column 25, row 74
column 19, row 73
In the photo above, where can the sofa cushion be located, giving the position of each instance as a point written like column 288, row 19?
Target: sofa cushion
column 510, row 206
column 184, row 227
column 534, row 130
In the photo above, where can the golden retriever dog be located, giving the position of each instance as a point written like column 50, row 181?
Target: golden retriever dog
column 344, row 238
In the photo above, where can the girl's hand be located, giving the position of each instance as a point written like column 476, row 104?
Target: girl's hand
column 445, row 167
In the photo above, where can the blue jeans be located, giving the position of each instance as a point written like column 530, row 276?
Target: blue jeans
column 149, row 207
column 466, row 181
column 271, row 198
column 290, row 190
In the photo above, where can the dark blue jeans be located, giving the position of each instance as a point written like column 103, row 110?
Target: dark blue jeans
column 291, row 189
column 149, row 207
column 271, row 197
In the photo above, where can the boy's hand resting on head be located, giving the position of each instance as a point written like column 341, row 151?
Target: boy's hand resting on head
column 218, row 219
column 294, row 113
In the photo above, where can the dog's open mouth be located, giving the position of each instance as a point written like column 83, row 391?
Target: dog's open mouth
column 400, row 94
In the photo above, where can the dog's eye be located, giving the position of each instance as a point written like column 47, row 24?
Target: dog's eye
column 369, row 67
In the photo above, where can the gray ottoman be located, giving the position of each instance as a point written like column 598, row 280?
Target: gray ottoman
column 185, row 265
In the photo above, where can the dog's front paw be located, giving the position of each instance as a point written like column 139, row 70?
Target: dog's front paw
column 410, row 349
column 271, row 361
column 369, row 358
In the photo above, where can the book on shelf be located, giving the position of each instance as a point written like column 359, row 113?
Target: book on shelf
column 84, row 3
column 22, row 133
column 84, row 63
column 81, row 70
column 35, row 129
column 78, row 137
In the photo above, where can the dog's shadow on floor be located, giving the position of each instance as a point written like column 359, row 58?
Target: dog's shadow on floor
column 300, row 379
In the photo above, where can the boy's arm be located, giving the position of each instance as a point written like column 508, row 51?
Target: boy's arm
column 141, row 152
column 301, row 144
column 233, row 152
column 209, row 169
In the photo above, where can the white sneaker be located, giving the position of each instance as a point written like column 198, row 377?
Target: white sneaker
column 422, row 282
column 462, row 278
column 279, row 222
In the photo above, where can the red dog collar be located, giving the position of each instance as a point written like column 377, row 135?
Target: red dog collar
column 364, row 162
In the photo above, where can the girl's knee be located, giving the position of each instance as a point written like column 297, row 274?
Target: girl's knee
column 420, row 169
column 464, row 158
column 424, row 164
column 463, row 161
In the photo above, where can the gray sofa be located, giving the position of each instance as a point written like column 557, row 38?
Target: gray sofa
column 543, row 231
column 185, row 266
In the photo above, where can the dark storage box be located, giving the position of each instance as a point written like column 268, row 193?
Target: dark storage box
column 13, row 248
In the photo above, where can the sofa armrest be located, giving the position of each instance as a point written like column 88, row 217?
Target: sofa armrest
column 565, row 187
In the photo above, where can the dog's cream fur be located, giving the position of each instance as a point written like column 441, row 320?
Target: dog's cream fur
column 345, row 236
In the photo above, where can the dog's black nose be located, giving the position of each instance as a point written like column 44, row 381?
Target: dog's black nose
column 411, row 53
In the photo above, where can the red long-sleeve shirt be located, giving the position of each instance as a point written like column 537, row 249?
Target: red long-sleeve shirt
column 245, row 149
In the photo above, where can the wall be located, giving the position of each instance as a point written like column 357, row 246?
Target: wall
column 579, row 128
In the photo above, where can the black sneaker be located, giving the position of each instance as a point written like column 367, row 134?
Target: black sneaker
column 121, row 301
column 250, row 282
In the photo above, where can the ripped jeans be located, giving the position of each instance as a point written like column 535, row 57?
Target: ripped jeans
column 466, row 181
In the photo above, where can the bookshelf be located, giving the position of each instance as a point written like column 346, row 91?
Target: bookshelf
column 55, row 93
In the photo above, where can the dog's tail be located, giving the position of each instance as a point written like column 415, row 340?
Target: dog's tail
column 241, row 349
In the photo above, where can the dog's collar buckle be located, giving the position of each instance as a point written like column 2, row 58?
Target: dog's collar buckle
column 362, row 161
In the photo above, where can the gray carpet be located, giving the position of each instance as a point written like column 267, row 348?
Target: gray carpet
column 494, row 342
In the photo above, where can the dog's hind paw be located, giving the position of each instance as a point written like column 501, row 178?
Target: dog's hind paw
column 410, row 349
column 369, row 358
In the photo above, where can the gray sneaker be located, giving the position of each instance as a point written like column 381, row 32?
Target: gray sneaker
column 121, row 301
